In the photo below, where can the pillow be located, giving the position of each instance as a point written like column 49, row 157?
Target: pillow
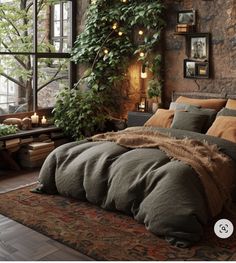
column 226, row 112
column 224, row 127
column 181, row 106
column 215, row 104
column 209, row 113
column 161, row 118
column 231, row 104
column 188, row 121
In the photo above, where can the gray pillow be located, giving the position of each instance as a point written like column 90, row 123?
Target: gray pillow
column 181, row 106
column 226, row 112
column 210, row 113
column 188, row 121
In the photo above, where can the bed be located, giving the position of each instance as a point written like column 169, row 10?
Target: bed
column 168, row 178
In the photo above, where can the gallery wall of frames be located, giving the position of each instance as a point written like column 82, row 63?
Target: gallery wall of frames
column 197, row 64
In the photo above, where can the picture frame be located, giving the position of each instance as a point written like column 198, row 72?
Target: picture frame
column 198, row 46
column 186, row 17
column 202, row 70
column 195, row 69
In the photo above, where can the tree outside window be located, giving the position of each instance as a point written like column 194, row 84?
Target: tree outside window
column 34, row 53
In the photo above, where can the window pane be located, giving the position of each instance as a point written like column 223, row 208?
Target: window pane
column 66, row 7
column 15, row 84
column 57, row 29
column 53, row 76
column 16, row 24
column 57, row 12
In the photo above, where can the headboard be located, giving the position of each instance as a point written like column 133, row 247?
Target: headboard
column 202, row 95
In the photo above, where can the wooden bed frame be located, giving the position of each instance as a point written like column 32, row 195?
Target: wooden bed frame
column 202, row 95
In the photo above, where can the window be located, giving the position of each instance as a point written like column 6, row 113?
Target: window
column 35, row 41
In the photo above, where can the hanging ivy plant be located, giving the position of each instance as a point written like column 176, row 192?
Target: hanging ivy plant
column 115, row 31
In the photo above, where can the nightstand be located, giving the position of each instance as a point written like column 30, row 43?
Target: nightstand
column 137, row 118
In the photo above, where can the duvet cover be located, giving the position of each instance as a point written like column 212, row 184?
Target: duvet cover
column 158, row 189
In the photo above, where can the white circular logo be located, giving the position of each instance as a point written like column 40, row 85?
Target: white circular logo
column 223, row 228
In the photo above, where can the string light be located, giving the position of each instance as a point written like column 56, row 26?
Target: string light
column 124, row 1
column 141, row 54
column 114, row 26
column 120, row 33
column 106, row 51
column 140, row 32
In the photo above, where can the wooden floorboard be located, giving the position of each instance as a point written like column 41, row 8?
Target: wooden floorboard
column 20, row 243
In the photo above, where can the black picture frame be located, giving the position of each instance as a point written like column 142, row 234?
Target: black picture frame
column 196, row 70
column 187, row 17
column 202, row 70
column 198, row 46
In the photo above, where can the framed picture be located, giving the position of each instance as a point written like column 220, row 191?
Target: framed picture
column 202, row 70
column 198, row 46
column 196, row 69
column 189, row 68
column 187, row 17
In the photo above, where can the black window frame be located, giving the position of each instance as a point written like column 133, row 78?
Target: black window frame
column 37, row 55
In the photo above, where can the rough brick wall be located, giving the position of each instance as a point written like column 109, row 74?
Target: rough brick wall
column 217, row 17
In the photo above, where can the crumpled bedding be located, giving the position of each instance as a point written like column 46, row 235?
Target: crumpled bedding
column 164, row 194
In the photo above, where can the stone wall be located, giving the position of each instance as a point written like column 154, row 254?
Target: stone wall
column 217, row 17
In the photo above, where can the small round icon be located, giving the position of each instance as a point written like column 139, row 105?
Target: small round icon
column 223, row 228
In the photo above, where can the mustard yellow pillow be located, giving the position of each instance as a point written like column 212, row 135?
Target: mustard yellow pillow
column 162, row 118
column 224, row 127
column 215, row 104
column 231, row 104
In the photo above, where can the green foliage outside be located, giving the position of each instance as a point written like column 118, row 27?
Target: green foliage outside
column 109, row 41
column 16, row 27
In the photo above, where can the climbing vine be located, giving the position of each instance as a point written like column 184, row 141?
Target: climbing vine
column 116, row 31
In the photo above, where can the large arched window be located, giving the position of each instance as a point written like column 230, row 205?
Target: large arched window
column 35, row 42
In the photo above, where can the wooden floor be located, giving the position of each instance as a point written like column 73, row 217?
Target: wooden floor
column 20, row 243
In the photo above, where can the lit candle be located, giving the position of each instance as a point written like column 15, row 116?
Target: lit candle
column 35, row 118
column 44, row 120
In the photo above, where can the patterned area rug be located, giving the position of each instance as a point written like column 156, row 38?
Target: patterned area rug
column 104, row 235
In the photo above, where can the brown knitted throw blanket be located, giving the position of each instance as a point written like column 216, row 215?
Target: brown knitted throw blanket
column 215, row 170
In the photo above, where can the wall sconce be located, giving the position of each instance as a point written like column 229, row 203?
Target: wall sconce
column 143, row 72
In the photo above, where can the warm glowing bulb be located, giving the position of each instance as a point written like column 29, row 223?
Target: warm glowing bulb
column 120, row 33
column 140, row 32
column 141, row 54
column 106, row 51
column 124, row 1
column 114, row 26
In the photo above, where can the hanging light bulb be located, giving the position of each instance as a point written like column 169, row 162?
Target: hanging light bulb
column 120, row 33
column 140, row 32
column 143, row 72
column 124, row 1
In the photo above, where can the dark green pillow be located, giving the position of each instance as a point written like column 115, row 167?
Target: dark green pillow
column 181, row 106
column 210, row 113
column 188, row 121
column 226, row 112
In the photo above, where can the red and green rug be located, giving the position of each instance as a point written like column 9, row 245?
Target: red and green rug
column 104, row 235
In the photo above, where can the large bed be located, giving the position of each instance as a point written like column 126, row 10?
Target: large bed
column 168, row 178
